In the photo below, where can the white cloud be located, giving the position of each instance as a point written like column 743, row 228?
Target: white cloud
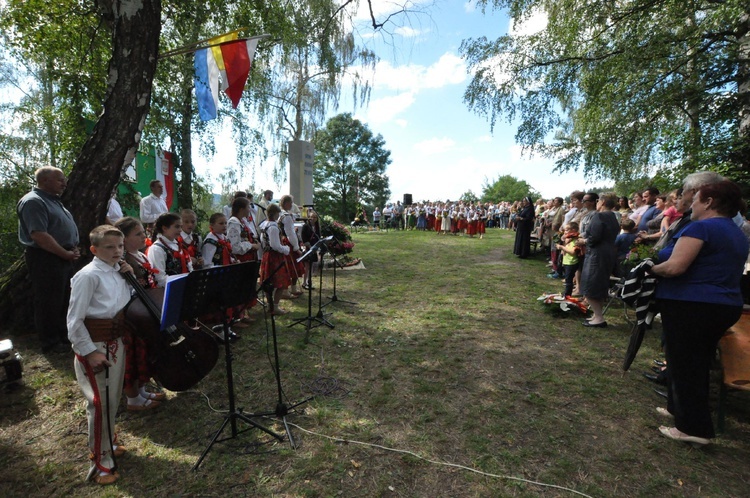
column 385, row 109
column 470, row 7
column 434, row 146
column 401, row 123
column 529, row 26
column 407, row 31
column 484, row 139
column 448, row 70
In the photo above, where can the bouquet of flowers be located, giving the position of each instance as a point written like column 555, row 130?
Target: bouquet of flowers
column 343, row 238
column 639, row 252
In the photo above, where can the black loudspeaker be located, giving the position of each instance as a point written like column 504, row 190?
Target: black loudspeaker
column 407, row 199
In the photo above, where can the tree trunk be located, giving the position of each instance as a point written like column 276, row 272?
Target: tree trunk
column 743, row 90
column 185, row 147
column 114, row 141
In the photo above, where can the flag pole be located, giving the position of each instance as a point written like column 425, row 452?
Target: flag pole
column 193, row 47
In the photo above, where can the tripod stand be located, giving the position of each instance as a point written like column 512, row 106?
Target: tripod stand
column 229, row 284
column 320, row 318
column 282, row 409
column 334, row 298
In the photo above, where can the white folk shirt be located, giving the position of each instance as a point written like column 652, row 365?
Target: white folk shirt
column 274, row 236
column 97, row 291
column 291, row 234
column 158, row 259
column 152, row 207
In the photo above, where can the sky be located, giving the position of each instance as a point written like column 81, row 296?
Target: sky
column 439, row 148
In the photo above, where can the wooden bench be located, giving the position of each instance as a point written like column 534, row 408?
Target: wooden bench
column 734, row 351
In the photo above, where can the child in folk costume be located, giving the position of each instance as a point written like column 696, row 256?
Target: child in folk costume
column 289, row 238
column 165, row 255
column 481, row 221
column 273, row 265
column 241, row 231
column 471, row 222
column 188, row 239
column 95, row 325
column 243, row 237
column 137, row 371
column 217, row 251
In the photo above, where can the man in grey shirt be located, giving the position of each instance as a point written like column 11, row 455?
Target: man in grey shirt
column 50, row 236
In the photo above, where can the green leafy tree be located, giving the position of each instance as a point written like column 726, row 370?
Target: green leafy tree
column 506, row 188
column 350, row 165
column 621, row 89
column 468, row 196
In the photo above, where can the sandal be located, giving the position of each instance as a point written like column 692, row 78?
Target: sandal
column 150, row 404
column 106, row 479
column 678, row 435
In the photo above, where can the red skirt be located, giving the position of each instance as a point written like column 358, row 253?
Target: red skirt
column 295, row 270
column 480, row 227
column 270, row 262
column 137, row 371
column 471, row 229
column 438, row 223
column 462, row 224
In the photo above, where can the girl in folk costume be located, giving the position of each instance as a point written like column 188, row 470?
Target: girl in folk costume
column 471, row 222
column 481, row 221
column 165, row 255
column 217, row 250
column 422, row 217
column 463, row 223
column 273, row 265
column 244, row 240
column 445, row 221
column 431, row 216
column 454, row 220
column 188, row 239
column 289, row 238
column 137, row 370
column 241, row 231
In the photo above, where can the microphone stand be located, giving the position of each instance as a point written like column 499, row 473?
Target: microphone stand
column 320, row 317
column 334, row 298
column 282, row 409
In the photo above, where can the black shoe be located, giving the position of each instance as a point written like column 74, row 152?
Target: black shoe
column 660, row 363
column 660, row 393
column 601, row 325
column 658, row 379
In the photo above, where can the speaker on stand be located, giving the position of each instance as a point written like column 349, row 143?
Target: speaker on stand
column 407, row 200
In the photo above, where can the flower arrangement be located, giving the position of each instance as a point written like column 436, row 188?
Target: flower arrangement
column 639, row 252
column 342, row 243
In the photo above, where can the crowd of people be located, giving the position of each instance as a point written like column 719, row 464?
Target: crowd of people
column 85, row 312
column 693, row 240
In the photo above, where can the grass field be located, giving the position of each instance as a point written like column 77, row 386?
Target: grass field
column 447, row 357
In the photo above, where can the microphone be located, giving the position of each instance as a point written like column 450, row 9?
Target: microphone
column 258, row 205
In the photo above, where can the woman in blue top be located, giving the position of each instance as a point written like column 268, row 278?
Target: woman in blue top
column 699, row 299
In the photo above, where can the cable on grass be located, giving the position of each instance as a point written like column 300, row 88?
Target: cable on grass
column 437, row 462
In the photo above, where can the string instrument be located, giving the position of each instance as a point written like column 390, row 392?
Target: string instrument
column 179, row 357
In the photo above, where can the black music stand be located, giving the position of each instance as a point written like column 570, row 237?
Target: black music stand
column 334, row 298
column 216, row 290
column 320, row 318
